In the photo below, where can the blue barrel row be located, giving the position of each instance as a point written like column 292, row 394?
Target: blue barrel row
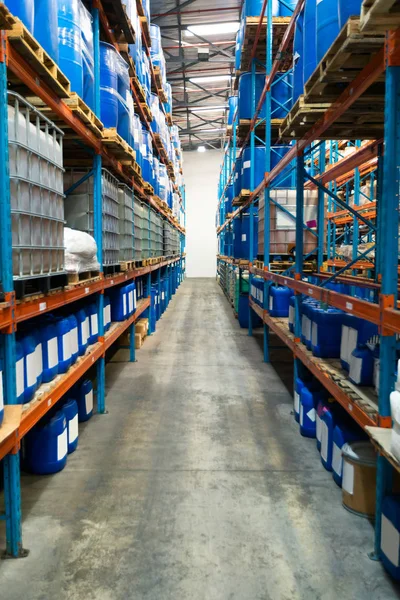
column 46, row 446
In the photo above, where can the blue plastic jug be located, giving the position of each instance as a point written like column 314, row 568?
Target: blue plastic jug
column 73, row 338
column 49, row 339
column 70, row 410
column 20, row 370
column 46, row 446
column 30, row 369
column 64, row 344
column 85, row 400
column 91, row 311
column 83, row 331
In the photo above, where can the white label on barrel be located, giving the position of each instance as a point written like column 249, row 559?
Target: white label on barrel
column 355, row 369
column 87, row 290
column 162, row 296
column 62, row 445
column 296, row 402
column 271, row 303
column 39, row 360
column 1, row 391
column 348, row 478
column 349, row 306
column 94, row 325
column 390, row 541
column 337, row 459
column 19, row 374
column 243, row 237
column 291, row 314
column 311, row 414
column 310, row 292
column 324, row 440
column 314, row 333
column 134, row 298
column 85, row 330
column 52, row 353
column 89, row 402
column 301, row 414
column 31, row 374
column 42, row 306
column 124, row 308
column 73, row 429
column 66, row 347
column 74, row 340
column 246, row 165
column 130, row 299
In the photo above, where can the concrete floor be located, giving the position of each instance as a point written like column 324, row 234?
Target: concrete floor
column 195, row 486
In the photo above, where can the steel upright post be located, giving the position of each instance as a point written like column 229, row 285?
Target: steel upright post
column 12, row 490
column 321, row 206
column 252, row 179
column 389, row 240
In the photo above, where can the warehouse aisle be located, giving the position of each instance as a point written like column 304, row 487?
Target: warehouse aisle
column 195, row 486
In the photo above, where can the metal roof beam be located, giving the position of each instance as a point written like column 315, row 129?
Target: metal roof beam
column 173, row 10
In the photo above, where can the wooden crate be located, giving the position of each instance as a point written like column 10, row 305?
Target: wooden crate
column 378, row 16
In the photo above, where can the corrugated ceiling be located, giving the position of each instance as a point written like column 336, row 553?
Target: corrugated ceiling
column 181, row 53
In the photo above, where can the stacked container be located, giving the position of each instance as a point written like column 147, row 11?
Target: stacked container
column 126, row 231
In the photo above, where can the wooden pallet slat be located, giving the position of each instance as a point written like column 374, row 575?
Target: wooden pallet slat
column 379, row 15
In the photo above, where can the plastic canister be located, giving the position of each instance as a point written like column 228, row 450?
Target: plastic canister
column 38, row 356
column 48, row 336
column 46, row 446
column 279, row 298
column 73, row 338
column 30, row 370
column 390, row 535
column 325, row 331
column 153, row 308
column 83, row 331
column 108, row 85
column 91, row 311
column 311, row 394
column 64, row 344
column 327, row 427
column 359, row 478
column 131, row 291
column 298, row 386
column 321, row 408
column 85, row 400
column 70, row 410
column 361, row 366
column 119, row 303
column 343, row 433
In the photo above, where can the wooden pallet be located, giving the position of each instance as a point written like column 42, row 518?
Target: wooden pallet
column 378, row 16
column 78, row 107
column 160, row 147
column 157, row 80
column 127, row 265
column 83, row 278
column 119, row 148
column 139, row 8
column 139, row 90
column 243, row 129
column 7, row 20
column 170, row 123
column 279, row 26
column 243, row 197
column 148, row 189
column 32, row 52
column 348, row 55
column 363, row 120
column 125, row 53
column 119, row 21
column 145, row 30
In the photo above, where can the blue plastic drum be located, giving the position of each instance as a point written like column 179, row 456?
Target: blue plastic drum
column 46, row 446
column 108, row 85
column 24, row 10
column 85, row 400
column 70, row 43
column 46, row 26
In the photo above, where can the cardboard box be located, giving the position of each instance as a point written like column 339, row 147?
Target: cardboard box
column 138, row 341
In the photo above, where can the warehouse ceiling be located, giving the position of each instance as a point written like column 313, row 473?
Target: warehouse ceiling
column 199, row 106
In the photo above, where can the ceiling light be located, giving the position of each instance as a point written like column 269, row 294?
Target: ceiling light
column 201, row 149
column 212, row 29
column 210, row 78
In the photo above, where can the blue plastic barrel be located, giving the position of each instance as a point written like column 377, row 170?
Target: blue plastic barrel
column 252, row 8
column 108, row 85
column 326, row 331
column 49, row 339
column 229, row 196
column 70, row 43
column 259, row 167
column 83, row 331
column 322, row 406
column 1, row 393
column 291, row 314
column 245, row 237
column 20, row 370
column 64, row 344
column 107, row 313
column 361, row 366
column 73, row 338
column 298, row 58
column 238, row 47
column 347, row 9
column 327, row 19
column 70, row 410
column 46, row 446
column 344, row 433
column 309, row 39
column 147, row 156
column 124, row 113
column 237, row 176
column 131, row 298
column 390, row 535
column 119, row 303
column 30, row 369
column 232, row 106
column 327, row 426
column 38, row 356
column 155, row 34
column 85, row 400
column 245, row 109
column 91, row 311
column 279, row 298
column 46, row 26
column 286, row 178
column 281, row 95
column 24, row 10
column 299, row 384
column 153, row 307
column 310, row 396
column 287, row 11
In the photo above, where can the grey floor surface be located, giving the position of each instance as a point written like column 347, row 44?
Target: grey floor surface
column 195, row 486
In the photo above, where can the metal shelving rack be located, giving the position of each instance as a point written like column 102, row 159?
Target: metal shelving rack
column 380, row 156
column 12, row 313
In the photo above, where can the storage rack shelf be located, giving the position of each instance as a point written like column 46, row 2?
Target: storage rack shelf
column 367, row 108
column 86, row 144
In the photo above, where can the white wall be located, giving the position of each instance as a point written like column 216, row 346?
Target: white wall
column 201, row 172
